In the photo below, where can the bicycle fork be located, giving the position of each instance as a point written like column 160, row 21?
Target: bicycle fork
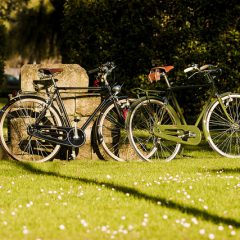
column 224, row 108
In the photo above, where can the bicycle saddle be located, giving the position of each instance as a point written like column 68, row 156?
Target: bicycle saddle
column 155, row 73
column 163, row 69
column 50, row 71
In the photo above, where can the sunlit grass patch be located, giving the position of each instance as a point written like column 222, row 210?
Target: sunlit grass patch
column 193, row 197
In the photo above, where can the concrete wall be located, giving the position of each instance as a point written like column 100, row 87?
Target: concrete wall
column 76, row 103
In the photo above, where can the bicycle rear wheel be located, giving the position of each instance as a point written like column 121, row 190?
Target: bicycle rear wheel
column 144, row 115
column 111, row 132
column 15, row 119
column 222, row 134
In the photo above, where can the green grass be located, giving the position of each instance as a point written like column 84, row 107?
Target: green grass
column 198, row 193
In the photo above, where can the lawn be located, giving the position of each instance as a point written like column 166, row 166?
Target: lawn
column 195, row 196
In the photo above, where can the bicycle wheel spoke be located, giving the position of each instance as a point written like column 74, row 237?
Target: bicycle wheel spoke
column 146, row 114
column 114, row 143
column 224, row 135
column 16, row 120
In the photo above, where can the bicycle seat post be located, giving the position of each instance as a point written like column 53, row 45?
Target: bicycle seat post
column 166, row 79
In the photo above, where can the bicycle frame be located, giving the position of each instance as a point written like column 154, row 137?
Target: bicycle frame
column 191, row 133
column 71, row 136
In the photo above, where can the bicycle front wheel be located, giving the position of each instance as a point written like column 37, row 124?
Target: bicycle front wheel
column 15, row 119
column 222, row 134
column 146, row 113
column 111, row 132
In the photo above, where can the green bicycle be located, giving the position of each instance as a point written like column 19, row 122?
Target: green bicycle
column 157, row 127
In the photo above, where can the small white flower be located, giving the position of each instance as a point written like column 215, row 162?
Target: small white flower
column 202, row 231
column 84, row 223
column 25, row 231
column 62, row 227
column 233, row 233
column 108, row 177
column 220, row 228
column 186, row 225
column 144, row 224
column 211, row 236
column 127, row 194
column 194, row 220
column 130, row 227
column 205, row 207
column 104, row 228
column 123, row 217
column 165, row 217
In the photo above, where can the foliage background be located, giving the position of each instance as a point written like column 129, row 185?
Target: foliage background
column 133, row 33
column 2, row 49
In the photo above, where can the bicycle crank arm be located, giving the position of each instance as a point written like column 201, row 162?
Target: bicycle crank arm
column 59, row 135
column 184, row 134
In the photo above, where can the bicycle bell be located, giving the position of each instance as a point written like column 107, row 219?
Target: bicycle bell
column 116, row 89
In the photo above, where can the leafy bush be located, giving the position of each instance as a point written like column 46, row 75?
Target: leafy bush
column 2, row 50
column 133, row 33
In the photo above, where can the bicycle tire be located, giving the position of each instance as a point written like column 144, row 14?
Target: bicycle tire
column 111, row 133
column 145, row 113
column 14, row 121
column 222, row 135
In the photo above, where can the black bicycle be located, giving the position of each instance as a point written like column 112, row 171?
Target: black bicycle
column 33, row 127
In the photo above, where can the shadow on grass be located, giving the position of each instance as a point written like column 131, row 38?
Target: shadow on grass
column 226, row 170
column 137, row 194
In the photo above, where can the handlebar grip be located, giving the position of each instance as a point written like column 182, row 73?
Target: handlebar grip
column 188, row 69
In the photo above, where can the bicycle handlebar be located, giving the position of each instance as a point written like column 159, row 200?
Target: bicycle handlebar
column 104, row 68
column 189, row 69
column 202, row 68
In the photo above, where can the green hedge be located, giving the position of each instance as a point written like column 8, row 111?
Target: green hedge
column 2, row 50
column 134, row 32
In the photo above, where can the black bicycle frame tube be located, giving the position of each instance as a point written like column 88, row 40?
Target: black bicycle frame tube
column 57, row 96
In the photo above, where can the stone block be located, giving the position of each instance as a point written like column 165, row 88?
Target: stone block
column 73, row 75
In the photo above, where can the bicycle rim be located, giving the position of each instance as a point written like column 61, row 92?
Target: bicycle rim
column 144, row 116
column 14, row 127
column 222, row 134
column 112, row 134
